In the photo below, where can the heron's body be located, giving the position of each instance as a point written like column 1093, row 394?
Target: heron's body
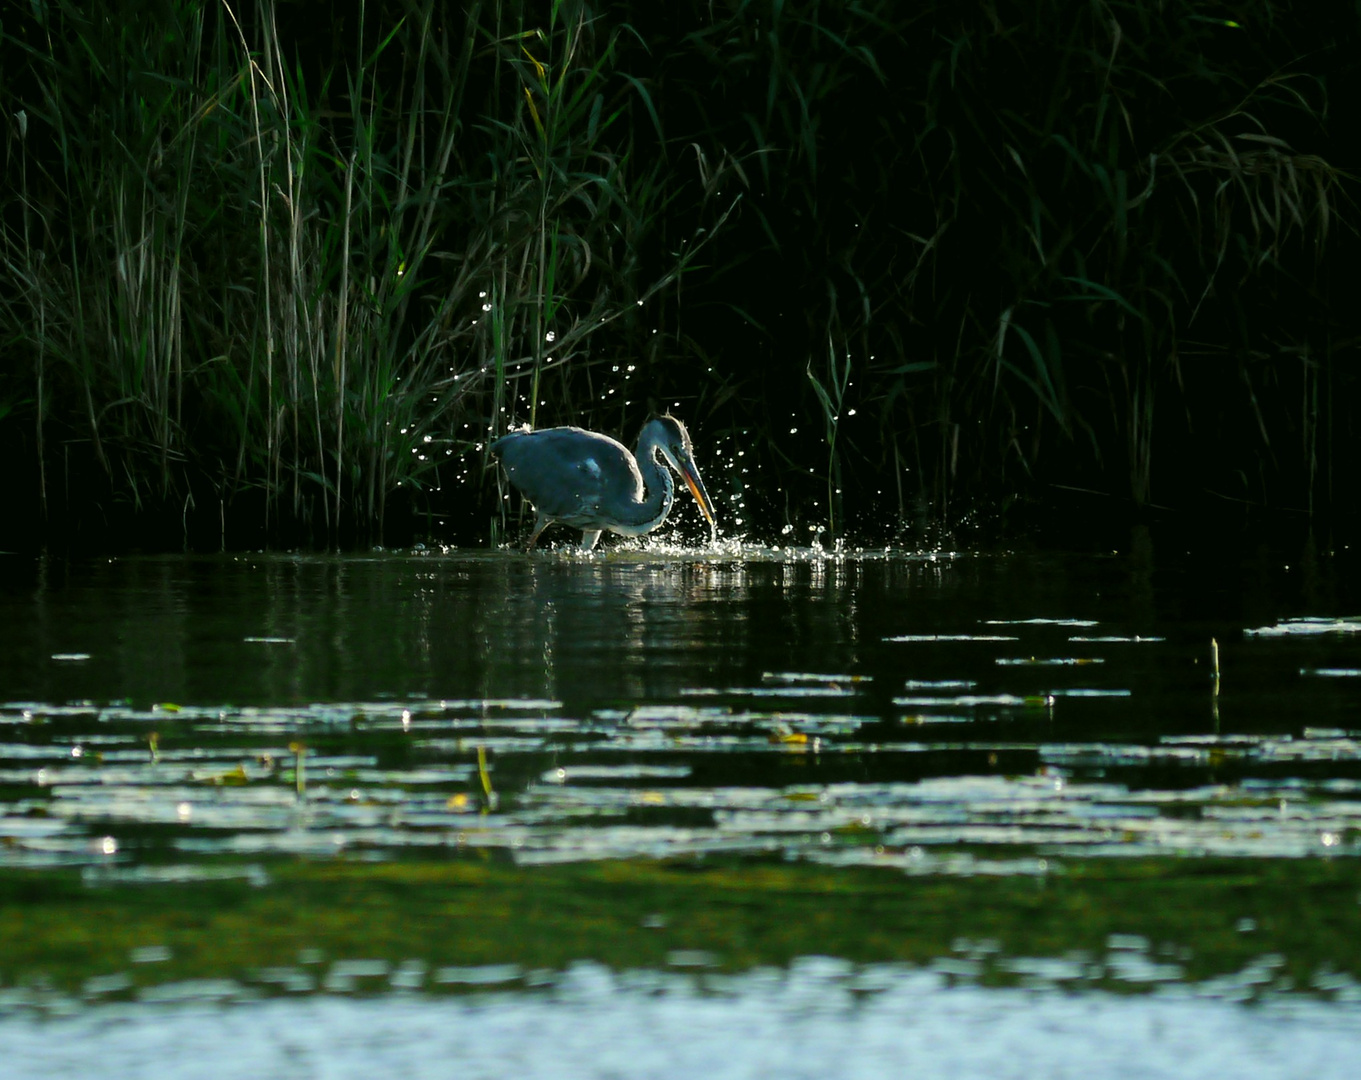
column 593, row 483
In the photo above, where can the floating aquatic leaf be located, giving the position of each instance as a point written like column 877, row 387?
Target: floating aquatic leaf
column 1117, row 639
column 949, row 637
column 1039, row 622
column 783, row 691
column 1047, row 661
column 971, row 700
column 796, row 678
column 1308, row 626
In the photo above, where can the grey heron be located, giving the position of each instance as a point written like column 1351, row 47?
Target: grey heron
column 592, row 483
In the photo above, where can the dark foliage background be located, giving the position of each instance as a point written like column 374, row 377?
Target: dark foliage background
column 273, row 272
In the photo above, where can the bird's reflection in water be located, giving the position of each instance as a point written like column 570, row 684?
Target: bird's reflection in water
column 623, row 629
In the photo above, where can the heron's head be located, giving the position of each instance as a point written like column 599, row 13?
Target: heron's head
column 669, row 436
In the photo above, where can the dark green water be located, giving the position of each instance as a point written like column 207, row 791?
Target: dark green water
column 226, row 779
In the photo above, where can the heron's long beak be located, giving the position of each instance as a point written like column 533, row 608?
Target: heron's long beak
column 691, row 476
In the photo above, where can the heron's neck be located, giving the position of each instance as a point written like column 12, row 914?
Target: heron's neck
column 658, row 489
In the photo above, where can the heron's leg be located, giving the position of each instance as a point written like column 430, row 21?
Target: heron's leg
column 540, row 523
column 588, row 538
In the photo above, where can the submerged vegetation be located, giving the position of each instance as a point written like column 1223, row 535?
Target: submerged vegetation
column 275, row 272
column 1250, row 928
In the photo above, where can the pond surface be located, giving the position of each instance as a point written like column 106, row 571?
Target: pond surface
column 1116, row 729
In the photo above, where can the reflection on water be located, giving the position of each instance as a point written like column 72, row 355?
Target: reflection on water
column 939, row 713
column 279, row 630
column 166, row 721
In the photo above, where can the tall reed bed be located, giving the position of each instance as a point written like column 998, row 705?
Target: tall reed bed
column 1019, row 245
column 257, row 272
column 267, row 271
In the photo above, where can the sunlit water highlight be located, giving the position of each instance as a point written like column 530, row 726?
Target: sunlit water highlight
column 818, row 1020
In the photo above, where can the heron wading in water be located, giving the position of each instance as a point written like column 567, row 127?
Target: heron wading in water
column 592, row 483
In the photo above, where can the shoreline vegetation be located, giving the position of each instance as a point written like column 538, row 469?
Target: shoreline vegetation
column 275, row 273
